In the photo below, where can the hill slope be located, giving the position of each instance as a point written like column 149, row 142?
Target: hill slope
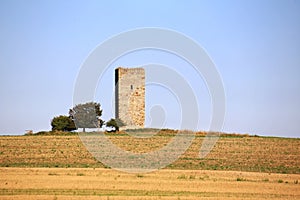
column 239, row 153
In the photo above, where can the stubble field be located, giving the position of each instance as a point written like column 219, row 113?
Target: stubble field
column 89, row 183
column 239, row 167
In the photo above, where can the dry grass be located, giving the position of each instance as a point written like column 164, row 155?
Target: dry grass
column 87, row 183
column 234, row 152
column 75, row 174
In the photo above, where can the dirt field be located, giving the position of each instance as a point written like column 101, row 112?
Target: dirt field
column 234, row 153
column 239, row 167
column 82, row 183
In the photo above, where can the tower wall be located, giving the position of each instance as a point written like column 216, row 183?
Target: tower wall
column 130, row 96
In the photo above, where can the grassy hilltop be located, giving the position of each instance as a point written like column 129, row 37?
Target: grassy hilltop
column 232, row 152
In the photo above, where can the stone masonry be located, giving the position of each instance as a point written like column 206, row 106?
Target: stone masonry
column 130, row 96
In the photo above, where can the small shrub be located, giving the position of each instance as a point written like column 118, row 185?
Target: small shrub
column 140, row 176
column 115, row 124
column 296, row 181
column 182, row 176
column 240, row 179
column 192, row 176
column 204, row 177
column 214, row 167
column 42, row 133
column 80, row 174
column 52, row 174
column 280, row 181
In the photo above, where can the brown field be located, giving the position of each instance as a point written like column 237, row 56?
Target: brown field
column 89, row 183
column 239, row 167
column 234, row 153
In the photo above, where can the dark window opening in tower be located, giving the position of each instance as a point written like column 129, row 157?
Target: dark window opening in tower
column 131, row 87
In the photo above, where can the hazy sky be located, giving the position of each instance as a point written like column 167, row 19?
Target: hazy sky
column 255, row 45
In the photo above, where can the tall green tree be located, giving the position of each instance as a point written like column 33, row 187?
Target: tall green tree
column 62, row 123
column 87, row 115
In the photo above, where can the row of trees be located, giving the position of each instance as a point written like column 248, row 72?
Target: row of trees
column 84, row 116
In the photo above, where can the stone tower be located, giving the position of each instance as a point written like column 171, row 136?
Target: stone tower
column 130, row 96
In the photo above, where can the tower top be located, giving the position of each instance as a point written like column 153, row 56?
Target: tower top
column 125, row 69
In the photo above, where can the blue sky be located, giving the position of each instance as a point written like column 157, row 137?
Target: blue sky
column 255, row 45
